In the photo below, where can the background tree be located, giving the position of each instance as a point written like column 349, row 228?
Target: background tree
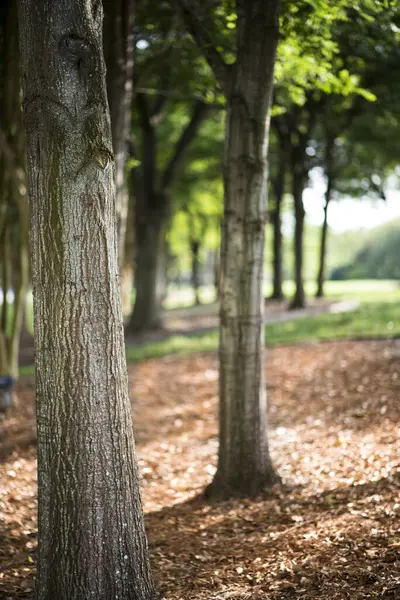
column 277, row 178
column 118, row 50
column 310, row 69
column 91, row 536
column 14, row 217
column 153, row 204
column 359, row 136
column 245, row 75
column 198, row 198
column 170, row 105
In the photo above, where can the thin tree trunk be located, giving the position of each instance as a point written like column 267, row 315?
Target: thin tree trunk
column 127, row 273
column 299, row 299
column 118, row 50
column 162, row 269
column 6, row 279
column 21, row 284
column 244, row 463
column 15, row 213
column 92, row 542
column 278, row 187
column 324, row 236
column 329, row 159
column 152, row 208
column 146, row 314
column 195, row 249
column 216, row 272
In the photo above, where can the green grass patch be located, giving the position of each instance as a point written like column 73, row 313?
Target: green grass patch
column 370, row 320
column 177, row 344
column 378, row 316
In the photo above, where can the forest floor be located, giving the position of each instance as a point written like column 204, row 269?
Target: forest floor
column 332, row 531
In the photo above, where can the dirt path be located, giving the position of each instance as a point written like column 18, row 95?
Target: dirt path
column 335, row 439
column 203, row 318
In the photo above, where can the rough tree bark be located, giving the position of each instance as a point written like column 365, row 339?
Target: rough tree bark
column 152, row 208
column 244, row 464
column 92, row 542
column 118, row 51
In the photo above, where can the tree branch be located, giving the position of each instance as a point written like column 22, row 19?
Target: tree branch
column 200, row 112
column 199, row 26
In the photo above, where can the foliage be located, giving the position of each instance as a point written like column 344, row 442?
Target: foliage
column 377, row 258
column 198, row 195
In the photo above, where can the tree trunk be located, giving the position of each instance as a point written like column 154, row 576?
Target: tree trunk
column 4, row 319
column 299, row 299
column 278, row 186
column 20, row 286
column 216, row 273
column 13, row 198
column 6, row 279
column 151, row 211
column 195, row 249
column 118, row 50
column 244, row 464
column 127, row 272
column 162, row 271
column 146, row 314
column 324, row 236
column 92, row 542
column 329, row 168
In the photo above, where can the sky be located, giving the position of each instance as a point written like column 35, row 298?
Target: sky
column 347, row 213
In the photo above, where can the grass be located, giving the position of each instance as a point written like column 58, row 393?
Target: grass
column 365, row 289
column 378, row 316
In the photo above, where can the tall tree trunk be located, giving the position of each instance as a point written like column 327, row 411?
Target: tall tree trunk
column 92, row 542
column 324, row 236
column 118, row 50
column 13, row 198
column 195, row 250
column 127, row 271
column 278, row 187
column 20, row 287
column 6, row 279
column 329, row 168
column 146, row 314
column 299, row 299
column 162, row 269
column 244, row 463
column 152, row 208
column 216, row 273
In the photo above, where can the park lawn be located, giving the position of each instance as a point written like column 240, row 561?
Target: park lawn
column 378, row 316
column 363, row 289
